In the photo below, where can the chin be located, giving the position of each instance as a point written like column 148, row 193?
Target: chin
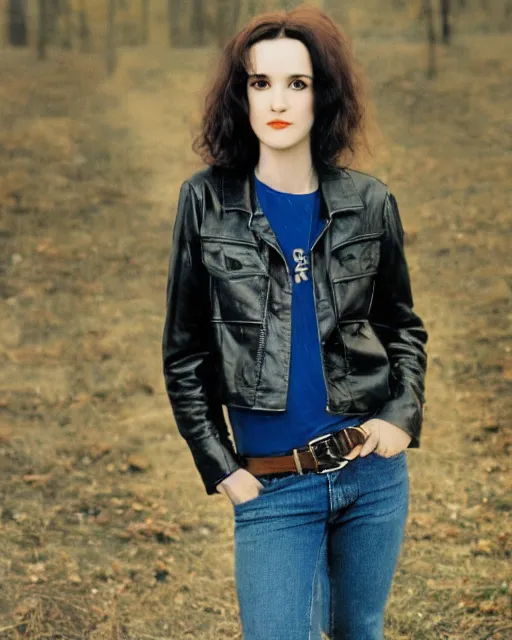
column 282, row 146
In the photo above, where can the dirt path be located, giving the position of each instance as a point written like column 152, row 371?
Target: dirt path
column 105, row 526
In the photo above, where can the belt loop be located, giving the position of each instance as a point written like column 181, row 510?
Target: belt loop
column 297, row 462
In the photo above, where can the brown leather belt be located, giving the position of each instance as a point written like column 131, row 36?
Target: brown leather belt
column 322, row 455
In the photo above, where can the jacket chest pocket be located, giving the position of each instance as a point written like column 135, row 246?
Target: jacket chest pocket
column 239, row 279
column 231, row 259
column 353, row 267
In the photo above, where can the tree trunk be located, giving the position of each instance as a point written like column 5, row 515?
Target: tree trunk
column 110, row 51
column 67, row 27
column 17, row 23
column 145, row 13
column 173, row 14
column 53, row 11
column 228, row 12
column 431, row 38
column 84, row 33
column 198, row 23
column 42, row 34
column 445, row 21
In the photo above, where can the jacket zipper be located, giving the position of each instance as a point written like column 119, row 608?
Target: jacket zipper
column 263, row 332
column 371, row 299
column 327, row 408
column 278, row 249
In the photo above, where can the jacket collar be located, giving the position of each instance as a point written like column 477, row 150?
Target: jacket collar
column 337, row 187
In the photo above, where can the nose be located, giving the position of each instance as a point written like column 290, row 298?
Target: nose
column 279, row 103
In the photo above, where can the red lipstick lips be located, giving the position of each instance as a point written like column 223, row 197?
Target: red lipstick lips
column 278, row 124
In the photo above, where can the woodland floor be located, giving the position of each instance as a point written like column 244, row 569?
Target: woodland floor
column 105, row 530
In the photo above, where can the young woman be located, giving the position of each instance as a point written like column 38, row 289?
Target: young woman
column 289, row 303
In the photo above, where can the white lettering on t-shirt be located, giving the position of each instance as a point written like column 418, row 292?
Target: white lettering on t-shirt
column 302, row 267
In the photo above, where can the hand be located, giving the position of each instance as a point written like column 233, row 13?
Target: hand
column 384, row 438
column 240, row 486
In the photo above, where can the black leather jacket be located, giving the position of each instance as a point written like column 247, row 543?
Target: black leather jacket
column 227, row 333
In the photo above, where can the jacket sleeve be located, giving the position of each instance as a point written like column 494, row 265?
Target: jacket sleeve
column 188, row 367
column 400, row 329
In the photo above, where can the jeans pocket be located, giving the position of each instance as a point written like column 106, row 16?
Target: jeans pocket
column 266, row 482
column 238, row 505
column 395, row 456
column 270, row 484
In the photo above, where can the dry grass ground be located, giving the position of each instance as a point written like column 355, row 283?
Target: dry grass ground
column 105, row 529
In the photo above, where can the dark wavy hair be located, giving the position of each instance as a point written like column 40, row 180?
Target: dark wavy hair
column 226, row 138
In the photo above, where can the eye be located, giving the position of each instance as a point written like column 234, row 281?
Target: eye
column 253, row 84
column 304, row 85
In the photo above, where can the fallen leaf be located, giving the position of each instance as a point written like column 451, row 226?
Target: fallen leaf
column 138, row 462
column 484, row 547
column 488, row 607
column 98, row 449
column 37, row 479
column 162, row 530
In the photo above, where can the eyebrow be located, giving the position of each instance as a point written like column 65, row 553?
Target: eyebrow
column 295, row 75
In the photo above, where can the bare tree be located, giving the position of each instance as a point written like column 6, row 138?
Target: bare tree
column 198, row 23
column 42, row 32
column 431, row 38
column 174, row 8
column 53, row 12
column 145, row 13
column 17, row 23
column 67, row 19
column 84, row 32
column 445, row 21
column 228, row 12
column 110, row 50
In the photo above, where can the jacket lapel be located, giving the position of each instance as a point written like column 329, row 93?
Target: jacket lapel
column 338, row 191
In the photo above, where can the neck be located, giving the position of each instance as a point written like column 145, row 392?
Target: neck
column 288, row 170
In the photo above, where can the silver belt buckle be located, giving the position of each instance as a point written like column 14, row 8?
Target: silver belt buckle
column 342, row 464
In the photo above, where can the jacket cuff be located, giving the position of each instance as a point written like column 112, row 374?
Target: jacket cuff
column 217, row 482
column 406, row 413
column 213, row 461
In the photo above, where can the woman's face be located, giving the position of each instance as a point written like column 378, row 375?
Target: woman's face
column 280, row 87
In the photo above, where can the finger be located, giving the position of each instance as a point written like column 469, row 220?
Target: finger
column 370, row 444
column 364, row 430
column 354, row 452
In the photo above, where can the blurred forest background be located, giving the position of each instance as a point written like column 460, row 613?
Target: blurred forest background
column 105, row 529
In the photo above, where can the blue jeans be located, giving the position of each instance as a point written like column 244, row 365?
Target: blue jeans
column 315, row 553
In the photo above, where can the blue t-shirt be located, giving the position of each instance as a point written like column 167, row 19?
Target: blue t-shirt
column 296, row 222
